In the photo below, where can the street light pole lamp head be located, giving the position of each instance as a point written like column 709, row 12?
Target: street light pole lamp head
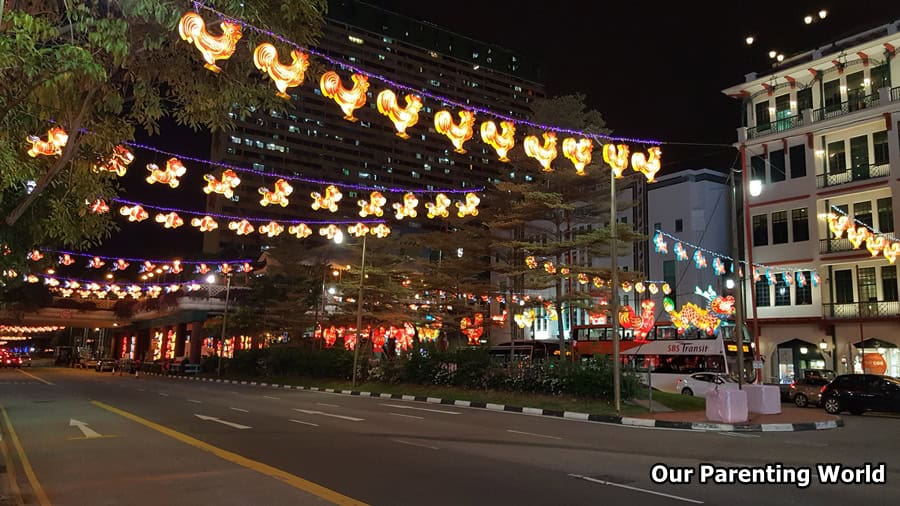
column 729, row 283
column 755, row 187
column 211, row 278
column 823, row 345
column 749, row 40
column 823, row 14
column 338, row 237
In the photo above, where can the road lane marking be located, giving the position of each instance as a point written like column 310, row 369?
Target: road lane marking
column 11, row 474
column 326, row 404
column 332, row 415
column 163, row 394
column 532, row 434
column 141, row 390
column 737, row 434
column 270, row 397
column 223, row 422
column 36, row 487
column 42, row 380
column 415, row 444
column 401, row 406
column 265, row 469
column 408, row 416
column 239, row 409
column 304, row 423
column 88, row 432
column 636, row 489
column 195, row 401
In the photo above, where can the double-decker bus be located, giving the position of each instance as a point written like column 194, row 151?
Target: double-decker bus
column 664, row 356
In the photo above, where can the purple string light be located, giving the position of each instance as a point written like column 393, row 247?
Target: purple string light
column 152, row 261
column 188, row 212
column 297, row 178
column 106, row 282
column 424, row 93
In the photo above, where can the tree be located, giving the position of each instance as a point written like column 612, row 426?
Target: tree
column 98, row 69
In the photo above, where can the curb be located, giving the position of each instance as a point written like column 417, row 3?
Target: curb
column 570, row 415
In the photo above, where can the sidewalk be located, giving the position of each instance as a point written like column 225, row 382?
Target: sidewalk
column 790, row 418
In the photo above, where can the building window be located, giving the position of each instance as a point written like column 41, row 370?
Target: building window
column 831, row 93
column 763, row 295
column 862, row 212
column 799, row 224
column 843, row 286
column 868, row 287
column 782, row 292
column 859, row 156
column 758, row 168
column 354, row 39
column 804, row 99
column 679, row 225
column 804, row 293
column 657, row 226
column 889, row 282
column 880, row 144
column 779, row 227
column 798, row 161
column 762, row 116
column 760, row 230
column 885, row 214
column 837, row 159
column 776, row 162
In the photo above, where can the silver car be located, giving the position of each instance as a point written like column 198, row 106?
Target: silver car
column 807, row 391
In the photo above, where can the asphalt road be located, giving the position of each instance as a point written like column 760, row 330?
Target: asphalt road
column 92, row 438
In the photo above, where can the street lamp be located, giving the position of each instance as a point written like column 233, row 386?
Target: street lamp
column 736, row 266
column 359, row 304
column 212, row 279
column 755, row 187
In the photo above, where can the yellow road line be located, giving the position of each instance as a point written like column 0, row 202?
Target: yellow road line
column 11, row 472
column 26, row 465
column 42, row 380
column 297, row 482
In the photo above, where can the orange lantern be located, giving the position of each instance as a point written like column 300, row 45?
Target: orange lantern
column 99, row 207
column 134, row 213
column 381, row 231
column 616, row 157
column 407, row 208
column 205, row 224
column 579, row 152
column 531, row 262
column 192, row 29
column 225, row 186
column 169, row 220
column 501, row 141
column 874, row 363
column 328, row 201
column 546, row 153
column 56, row 139
column 265, row 57
column 349, row 100
column 647, row 166
column 458, row 133
column 271, row 229
column 242, row 227
column 439, row 206
column 402, row 117
column 117, row 163
column 372, row 206
column 329, row 231
column 469, row 207
column 300, row 230
column 358, row 230
column 838, row 225
column 891, row 251
column 875, row 244
column 277, row 197
column 174, row 169
column 858, row 235
column 35, row 255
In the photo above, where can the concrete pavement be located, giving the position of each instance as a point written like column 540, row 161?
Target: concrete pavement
column 386, row 451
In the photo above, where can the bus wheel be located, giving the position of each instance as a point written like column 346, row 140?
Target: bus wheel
column 687, row 391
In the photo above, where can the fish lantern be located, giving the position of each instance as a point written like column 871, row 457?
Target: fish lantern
column 407, row 208
column 330, row 231
column 458, row 133
column 648, row 166
column 381, row 231
column 544, row 153
column 147, row 266
column 134, row 213
column 205, row 224
column 66, row 259
column 439, row 206
column 56, row 140
column 226, row 268
column 328, row 201
column 277, row 197
column 616, row 156
column 358, row 230
column 265, row 57
column 653, row 288
column 176, row 267
column 174, row 169
column 501, row 141
column 35, row 255
column 579, row 152
column 349, row 100
column 626, row 285
column 531, row 262
column 242, row 227
column 300, row 230
column 99, row 207
column 271, row 229
column 372, row 206
column 549, row 268
column 401, row 117
column 192, row 29
column 666, row 289
column 96, row 263
column 582, row 278
column 225, row 186
column 640, row 287
column 169, row 220
column 117, row 163
column 469, row 207
column 202, row 269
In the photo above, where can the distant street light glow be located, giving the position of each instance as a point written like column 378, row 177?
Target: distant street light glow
column 773, row 54
column 823, row 14
column 749, row 40
column 780, row 57
column 211, row 279
column 808, row 20
column 338, row 237
column 755, row 187
column 729, row 283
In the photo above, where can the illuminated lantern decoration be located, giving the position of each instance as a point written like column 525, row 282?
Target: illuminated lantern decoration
column 35, row 255
column 300, row 230
column 225, row 187
column 653, row 289
column 402, row 117
column 627, row 317
column 659, row 243
column 666, row 289
column 381, row 231
column 626, row 285
column 202, row 269
column 769, row 277
column 502, row 141
column 598, row 283
column 525, row 319
column 265, row 57
column 583, row 278
column 226, row 268
column 407, row 208
column 699, row 259
column 205, row 224
column 469, row 207
column 330, row 231
column 96, row 263
column 174, row 170
column 169, row 220
column 349, row 100
column 722, row 305
column 117, row 163
column 56, row 140
column 531, row 262
column 66, row 259
column 472, row 328
column 439, row 206
column 271, row 229
column 458, row 133
column 372, row 206
column 176, row 267
column 579, row 152
column 756, row 275
column 544, row 153
column 134, row 213
column 147, row 266
column 192, row 29
column 99, row 207
column 891, row 251
column 718, row 266
column 245, row 267
column 616, row 156
column 242, row 227
column 358, row 230
column 120, row 265
column 328, row 201
column 647, row 166
column 277, row 197
column 648, row 307
column 549, row 268
column 640, row 287
column 875, row 244
column 838, row 225
column 858, row 235
column 564, row 271
column 680, row 252
column 801, row 279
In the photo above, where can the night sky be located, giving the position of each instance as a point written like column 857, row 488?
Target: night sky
column 654, row 72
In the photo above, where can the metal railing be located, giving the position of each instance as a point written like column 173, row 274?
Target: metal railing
column 874, row 309
column 834, row 245
column 779, row 125
column 858, row 173
column 895, row 93
column 853, row 104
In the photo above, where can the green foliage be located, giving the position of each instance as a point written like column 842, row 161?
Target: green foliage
column 294, row 360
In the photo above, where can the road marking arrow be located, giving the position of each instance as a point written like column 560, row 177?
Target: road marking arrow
column 342, row 417
column 88, row 432
column 223, row 422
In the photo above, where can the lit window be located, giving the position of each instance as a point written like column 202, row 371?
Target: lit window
column 354, row 39
column 435, row 82
column 415, row 175
column 259, row 144
column 259, row 166
column 235, row 140
column 363, row 175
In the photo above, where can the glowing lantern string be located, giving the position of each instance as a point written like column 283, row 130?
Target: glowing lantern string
column 329, row 232
column 659, row 243
column 358, row 230
column 169, row 220
column 225, row 186
column 277, row 197
column 300, row 231
column 578, row 152
column 265, row 57
column 174, row 170
column 117, row 163
column 271, row 229
column 192, row 29
column 35, row 255
column 502, row 141
column 680, row 252
column 438, row 208
column 407, row 208
column 401, row 117
column 56, row 140
column 458, row 133
column 327, row 201
column 469, row 207
column 381, row 230
column 99, row 207
column 648, row 166
column 242, row 227
column 616, row 157
column 373, row 206
column 205, row 224
column 544, row 153
column 348, row 99
column 134, row 213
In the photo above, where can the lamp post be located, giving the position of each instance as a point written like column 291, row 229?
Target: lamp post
column 359, row 306
column 211, row 279
column 614, row 293
column 755, row 188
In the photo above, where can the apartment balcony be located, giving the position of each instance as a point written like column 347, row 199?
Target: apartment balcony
column 858, row 173
column 857, row 103
column 872, row 309
column 834, row 245
column 779, row 125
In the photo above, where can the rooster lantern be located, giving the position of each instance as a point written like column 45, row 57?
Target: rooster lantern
column 469, row 207
column 300, row 230
column 205, row 224
column 579, row 152
column 174, row 170
column 458, row 133
column 117, row 162
column 225, row 186
column 647, row 166
column 56, row 139
column 349, row 100
column 328, row 201
column 502, row 141
column 265, row 57
column 439, row 206
column 546, row 153
column 407, row 208
column 277, row 197
column 372, row 206
column 192, row 29
column 134, row 213
column 616, row 156
column 402, row 117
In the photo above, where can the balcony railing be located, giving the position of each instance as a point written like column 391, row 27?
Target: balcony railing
column 779, row 125
column 855, row 103
column 834, row 245
column 895, row 93
column 858, row 173
column 874, row 309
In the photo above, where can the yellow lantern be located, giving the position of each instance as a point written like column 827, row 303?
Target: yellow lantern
column 407, row 208
column 616, row 157
column 469, row 207
column 372, row 206
column 544, row 153
column 502, row 141
column 647, row 166
column 349, row 100
column 328, row 201
column 439, row 206
column 174, row 170
column 271, row 229
column 265, row 57
column 300, row 230
column 192, row 28
column 358, row 230
column 56, row 140
column 279, row 196
column 381, row 231
column 169, row 220
column 458, row 133
column 402, row 117
column 242, row 227
column 579, row 152
column 205, row 224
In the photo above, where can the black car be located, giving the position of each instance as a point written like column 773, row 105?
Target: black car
column 858, row 393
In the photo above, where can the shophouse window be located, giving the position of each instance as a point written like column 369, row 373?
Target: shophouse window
column 669, row 269
column 782, row 292
column 804, row 293
column 885, row 214
column 760, row 230
column 679, row 225
column 798, row 161
column 831, row 93
column 804, row 99
column 763, row 294
column 889, row 282
column 859, row 157
column 837, row 158
column 776, row 162
column 868, row 287
column 758, row 168
column 843, row 286
column 779, row 227
column 880, row 144
column 862, row 212
column 799, row 224
column 762, row 116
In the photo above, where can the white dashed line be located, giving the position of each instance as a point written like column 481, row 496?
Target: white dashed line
column 532, row 434
column 326, row 404
column 415, row 444
column 270, row 397
column 239, row 409
column 304, row 423
column 636, row 489
column 163, row 394
column 401, row 406
column 195, row 401
column 408, row 416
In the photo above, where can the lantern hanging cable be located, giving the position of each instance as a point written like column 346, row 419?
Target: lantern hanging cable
column 886, row 235
column 255, row 219
column 322, row 182
column 445, row 100
column 152, row 261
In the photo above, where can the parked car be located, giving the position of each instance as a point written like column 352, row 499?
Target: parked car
column 106, row 364
column 9, row 360
column 89, row 363
column 26, row 359
column 858, row 393
column 702, row 382
column 806, row 391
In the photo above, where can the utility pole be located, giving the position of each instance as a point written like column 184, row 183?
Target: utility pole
column 224, row 321
column 614, row 293
column 738, row 283
column 359, row 308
